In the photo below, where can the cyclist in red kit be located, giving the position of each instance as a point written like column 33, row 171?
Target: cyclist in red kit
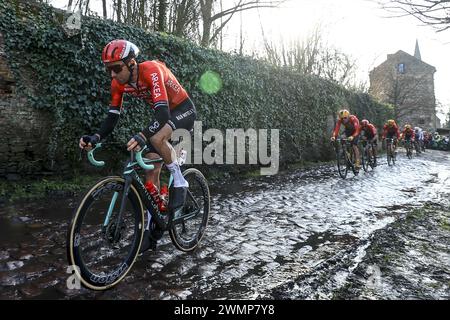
column 351, row 131
column 369, row 133
column 153, row 82
column 391, row 131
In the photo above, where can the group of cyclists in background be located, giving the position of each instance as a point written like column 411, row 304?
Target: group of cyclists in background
column 364, row 131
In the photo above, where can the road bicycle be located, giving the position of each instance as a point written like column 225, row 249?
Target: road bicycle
column 345, row 157
column 106, row 231
column 408, row 148
column 390, row 152
column 368, row 155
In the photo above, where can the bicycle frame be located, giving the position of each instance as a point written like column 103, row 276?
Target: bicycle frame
column 348, row 150
column 389, row 143
column 164, row 221
column 367, row 145
column 408, row 146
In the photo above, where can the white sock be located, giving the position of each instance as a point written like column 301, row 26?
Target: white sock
column 178, row 179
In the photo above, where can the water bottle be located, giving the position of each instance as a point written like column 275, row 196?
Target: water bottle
column 151, row 188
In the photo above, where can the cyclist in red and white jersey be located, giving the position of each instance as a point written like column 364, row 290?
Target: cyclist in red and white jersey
column 153, row 82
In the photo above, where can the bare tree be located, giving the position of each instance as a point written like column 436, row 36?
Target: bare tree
column 403, row 92
column 435, row 13
column 162, row 15
column 312, row 56
column 208, row 7
column 185, row 16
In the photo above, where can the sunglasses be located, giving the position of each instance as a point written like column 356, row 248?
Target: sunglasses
column 117, row 68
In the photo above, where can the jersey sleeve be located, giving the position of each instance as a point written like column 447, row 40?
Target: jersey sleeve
column 374, row 130
column 336, row 129
column 116, row 97
column 355, row 123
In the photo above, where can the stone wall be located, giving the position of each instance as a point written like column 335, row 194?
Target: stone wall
column 24, row 130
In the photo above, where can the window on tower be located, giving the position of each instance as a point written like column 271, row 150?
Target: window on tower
column 401, row 68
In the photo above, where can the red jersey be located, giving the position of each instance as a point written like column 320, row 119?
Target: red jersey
column 156, row 85
column 369, row 131
column 391, row 131
column 351, row 127
column 408, row 133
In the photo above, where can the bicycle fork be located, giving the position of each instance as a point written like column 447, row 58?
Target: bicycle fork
column 112, row 205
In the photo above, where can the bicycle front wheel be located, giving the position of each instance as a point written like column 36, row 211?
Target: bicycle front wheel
column 189, row 224
column 409, row 151
column 102, row 248
column 389, row 154
column 341, row 162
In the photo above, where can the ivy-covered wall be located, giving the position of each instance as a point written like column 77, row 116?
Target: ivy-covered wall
column 62, row 73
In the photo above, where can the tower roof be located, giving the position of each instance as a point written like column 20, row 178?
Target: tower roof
column 417, row 51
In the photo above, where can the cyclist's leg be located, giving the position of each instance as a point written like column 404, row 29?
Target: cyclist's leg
column 153, row 175
column 182, row 117
column 152, row 231
column 356, row 152
column 374, row 149
column 388, row 142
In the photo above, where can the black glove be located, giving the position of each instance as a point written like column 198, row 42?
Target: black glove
column 140, row 140
column 93, row 140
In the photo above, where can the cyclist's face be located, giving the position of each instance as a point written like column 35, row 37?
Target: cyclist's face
column 345, row 119
column 118, row 71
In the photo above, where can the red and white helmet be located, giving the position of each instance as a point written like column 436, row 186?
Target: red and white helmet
column 118, row 50
column 364, row 122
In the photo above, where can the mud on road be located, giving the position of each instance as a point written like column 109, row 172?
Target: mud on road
column 409, row 259
column 307, row 232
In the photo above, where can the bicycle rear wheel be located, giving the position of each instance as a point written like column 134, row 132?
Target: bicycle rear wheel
column 366, row 159
column 372, row 158
column 102, row 256
column 352, row 160
column 188, row 227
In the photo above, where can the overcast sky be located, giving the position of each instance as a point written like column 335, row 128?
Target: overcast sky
column 357, row 27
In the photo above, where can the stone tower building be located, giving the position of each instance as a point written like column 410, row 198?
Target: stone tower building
column 406, row 82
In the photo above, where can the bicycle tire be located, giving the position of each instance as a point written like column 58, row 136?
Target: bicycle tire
column 365, row 159
column 88, row 277
column 196, row 193
column 341, row 160
column 409, row 150
column 352, row 161
column 372, row 157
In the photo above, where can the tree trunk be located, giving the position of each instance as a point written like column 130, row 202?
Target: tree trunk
column 105, row 15
column 206, row 8
column 142, row 13
column 69, row 6
column 162, row 13
column 119, row 10
column 129, row 15
column 87, row 8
